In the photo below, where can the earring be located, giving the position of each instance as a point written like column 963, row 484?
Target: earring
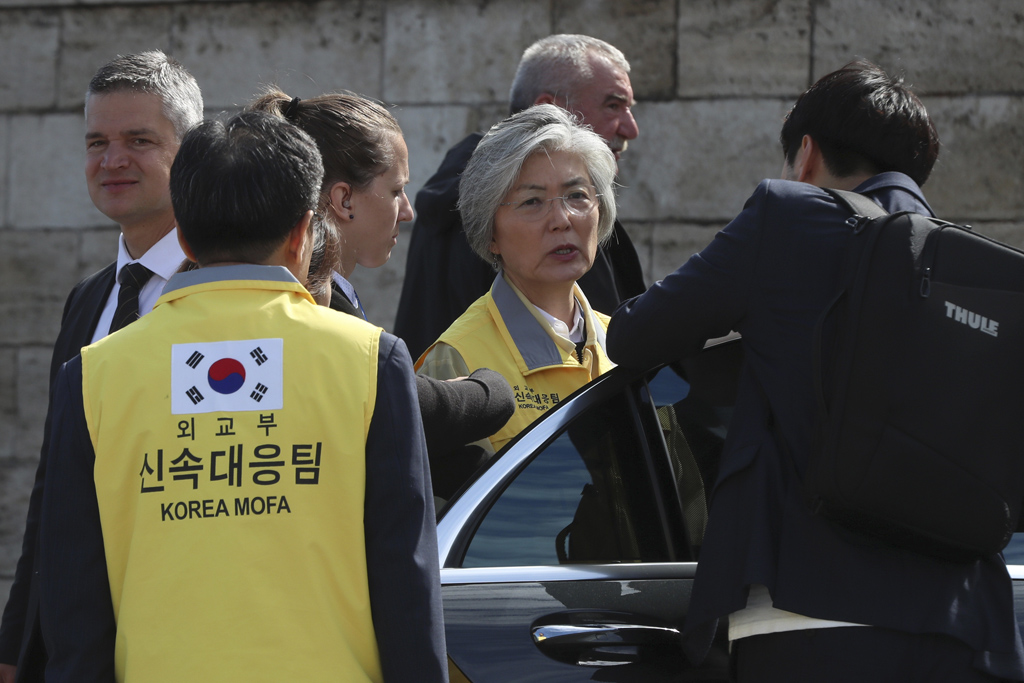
column 495, row 261
column 351, row 216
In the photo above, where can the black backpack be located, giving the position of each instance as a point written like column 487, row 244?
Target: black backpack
column 919, row 367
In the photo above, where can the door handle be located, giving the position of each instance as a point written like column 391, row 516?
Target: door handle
column 626, row 634
column 604, row 638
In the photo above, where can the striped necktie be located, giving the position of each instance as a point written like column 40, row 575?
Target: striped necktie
column 133, row 278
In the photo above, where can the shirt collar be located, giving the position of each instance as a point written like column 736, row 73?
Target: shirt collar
column 163, row 258
column 575, row 335
column 346, row 287
column 348, row 290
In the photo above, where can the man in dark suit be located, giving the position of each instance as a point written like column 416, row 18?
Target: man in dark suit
column 137, row 110
column 443, row 276
column 808, row 600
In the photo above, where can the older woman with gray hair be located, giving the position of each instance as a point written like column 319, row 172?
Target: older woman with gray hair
column 536, row 199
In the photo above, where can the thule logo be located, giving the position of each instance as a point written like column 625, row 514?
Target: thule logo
column 972, row 320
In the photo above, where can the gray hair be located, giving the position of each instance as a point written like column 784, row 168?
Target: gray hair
column 153, row 73
column 558, row 65
column 498, row 159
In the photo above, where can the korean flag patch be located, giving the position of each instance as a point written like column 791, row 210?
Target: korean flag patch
column 228, row 376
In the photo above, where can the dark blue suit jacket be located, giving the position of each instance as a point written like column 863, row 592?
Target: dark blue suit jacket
column 20, row 640
column 768, row 275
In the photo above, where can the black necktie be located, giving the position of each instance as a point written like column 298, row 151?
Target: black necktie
column 133, row 278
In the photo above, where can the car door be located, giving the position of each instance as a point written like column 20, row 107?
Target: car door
column 571, row 558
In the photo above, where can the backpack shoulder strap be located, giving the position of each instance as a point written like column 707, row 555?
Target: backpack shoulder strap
column 851, row 283
column 858, row 204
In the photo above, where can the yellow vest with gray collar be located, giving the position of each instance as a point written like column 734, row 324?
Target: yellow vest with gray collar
column 499, row 332
column 230, row 427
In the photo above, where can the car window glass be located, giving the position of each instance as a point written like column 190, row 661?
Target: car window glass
column 586, row 497
column 693, row 420
column 1014, row 552
column 669, row 392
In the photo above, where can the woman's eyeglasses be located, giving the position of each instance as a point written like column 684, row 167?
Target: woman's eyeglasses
column 578, row 201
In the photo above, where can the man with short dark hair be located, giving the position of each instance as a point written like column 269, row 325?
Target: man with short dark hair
column 807, row 599
column 251, row 491
column 443, row 276
column 137, row 109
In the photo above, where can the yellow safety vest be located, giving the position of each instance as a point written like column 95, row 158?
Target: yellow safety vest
column 499, row 332
column 230, row 427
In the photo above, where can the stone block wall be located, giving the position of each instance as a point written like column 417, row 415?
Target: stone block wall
column 713, row 79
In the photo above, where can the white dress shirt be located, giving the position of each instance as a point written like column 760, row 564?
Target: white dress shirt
column 163, row 258
column 561, row 329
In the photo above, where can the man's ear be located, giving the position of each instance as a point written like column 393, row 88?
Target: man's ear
column 809, row 164
column 545, row 98
column 300, row 238
column 184, row 246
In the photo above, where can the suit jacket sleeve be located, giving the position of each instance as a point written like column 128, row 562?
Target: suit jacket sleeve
column 76, row 612
column 457, row 414
column 401, row 533
column 704, row 298
column 461, row 412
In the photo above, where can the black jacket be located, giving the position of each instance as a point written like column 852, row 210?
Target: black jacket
column 768, row 275
column 20, row 639
column 443, row 276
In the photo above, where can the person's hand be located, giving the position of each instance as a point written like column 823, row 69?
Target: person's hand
column 7, row 673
